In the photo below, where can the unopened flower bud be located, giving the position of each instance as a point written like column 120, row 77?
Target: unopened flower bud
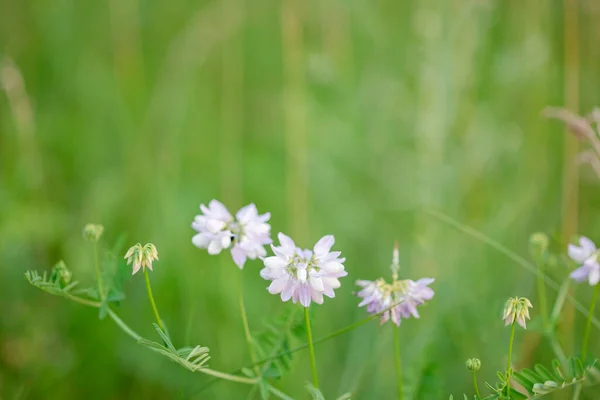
column 61, row 274
column 539, row 242
column 92, row 232
column 473, row 364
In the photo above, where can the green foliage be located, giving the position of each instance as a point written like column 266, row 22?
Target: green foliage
column 52, row 284
column 541, row 381
column 275, row 340
column 191, row 358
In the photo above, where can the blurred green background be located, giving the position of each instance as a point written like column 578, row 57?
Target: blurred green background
column 345, row 117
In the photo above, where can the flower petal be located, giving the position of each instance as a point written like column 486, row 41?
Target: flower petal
column 324, row 245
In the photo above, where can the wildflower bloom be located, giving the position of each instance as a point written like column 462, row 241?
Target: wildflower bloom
column 379, row 296
column 586, row 255
column 304, row 275
column 217, row 230
column 141, row 256
column 517, row 308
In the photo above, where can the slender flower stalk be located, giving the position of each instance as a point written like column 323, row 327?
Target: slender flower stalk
column 398, row 360
column 92, row 233
column 588, row 325
column 474, row 365
column 245, row 324
column 151, row 297
column 509, row 360
column 538, row 244
column 311, row 349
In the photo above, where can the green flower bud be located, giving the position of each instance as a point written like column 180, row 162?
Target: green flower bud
column 473, row 364
column 92, row 232
column 61, row 274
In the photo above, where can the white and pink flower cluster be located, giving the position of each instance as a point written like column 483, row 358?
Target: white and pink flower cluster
column 301, row 274
column 395, row 300
column 218, row 230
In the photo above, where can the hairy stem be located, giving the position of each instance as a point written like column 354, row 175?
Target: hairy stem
column 246, row 327
column 151, row 297
column 398, row 360
column 588, row 325
column 311, row 349
column 509, row 361
column 475, row 386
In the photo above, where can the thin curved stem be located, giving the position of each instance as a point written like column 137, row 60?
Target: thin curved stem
column 246, row 327
column 311, row 348
column 475, row 386
column 124, row 327
column 588, row 325
column 509, row 361
column 86, row 302
column 229, row 377
column 398, row 361
column 542, row 294
column 158, row 320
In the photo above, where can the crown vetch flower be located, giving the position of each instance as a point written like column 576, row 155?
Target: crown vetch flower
column 218, row 230
column 141, row 256
column 378, row 296
column 407, row 294
column 517, row 308
column 304, row 275
column 586, row 255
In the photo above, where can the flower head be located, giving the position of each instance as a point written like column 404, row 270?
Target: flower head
column 141, row 256
column 473, row 364
column 218, row 230
column 304, row 275
column 92, row 232
column 395, row 300
column 586, row 255
column 378, row 296
column 517, row 308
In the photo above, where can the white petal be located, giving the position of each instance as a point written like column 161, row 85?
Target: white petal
column 316, row 283
column 215, row 225
column 201, row 240
column 324, row 245
column 287, row 292
column 331, row 282
column 594, row 276
column 333, row 267
column 304, row 295
column 301, row 274
column 317, row 297
column 277, row 285
column 286, row 241
column 239, row 256
column 214, row 247
column 247, row 213
column 225, row 240
column 587, row 244
column 275, row 262
column 578, row 254
column 219, row 210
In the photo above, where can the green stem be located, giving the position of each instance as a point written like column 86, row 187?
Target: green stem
column 588, row 325
column 98, row 274
column 246, row 327
column 398, row 361
column 542, row 294
column 85, row 302
column 509, row 361
column 279, row 394
column 124, row 327
column 475, row 385
column 158, row 320
column 311, row 349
